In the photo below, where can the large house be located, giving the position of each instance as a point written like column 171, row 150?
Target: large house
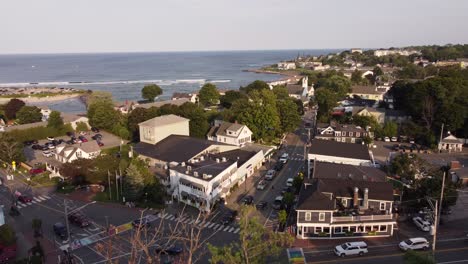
column 192, row 97
column 230, row 133
column 368, row 92
column 301, row 91
column 386, row 52
column 342, row 133
column 377, row 113
column 85, row 150
column 451, row 144
column 340, row 208
column 156, row 129
column 286, row 65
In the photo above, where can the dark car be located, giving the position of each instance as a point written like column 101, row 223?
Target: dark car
column 100, row 143
column 28, row 143
column 83, row 139
column 70, row 134
column 36, row 147
column 278, row 166
column 36, row 171
column 172, row 250
column 262, row 205
column 95, row 129
column 24, row 199
column 229, row 217
column 70, row 142
column 60, row 230
column 78, row 219
column 96, row 137
column 287, row 190
column 248, row 200
column 140, row 223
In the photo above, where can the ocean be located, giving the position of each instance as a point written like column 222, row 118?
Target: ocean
column 124, row 74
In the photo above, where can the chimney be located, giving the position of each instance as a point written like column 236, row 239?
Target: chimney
column 366, row 198
column 356, row 197
column 217, row 160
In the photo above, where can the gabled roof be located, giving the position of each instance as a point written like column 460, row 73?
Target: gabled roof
column 311, row 199
column 339, row 149
column 327, row 170
column 163, row 120
column 221, row 129
column 361, row 89
column 451, row 139
column 294, row 89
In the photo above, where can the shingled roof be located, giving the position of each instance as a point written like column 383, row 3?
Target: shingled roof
column 339, row 149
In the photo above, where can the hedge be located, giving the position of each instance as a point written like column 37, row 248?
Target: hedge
column 37, row 133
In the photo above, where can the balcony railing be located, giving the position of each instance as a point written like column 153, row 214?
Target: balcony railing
column 361, row 218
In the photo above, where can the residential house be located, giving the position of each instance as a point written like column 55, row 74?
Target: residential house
column 177, row 102
column 367, row 92
column 377, row 113
column 356, row 51
column 192, row 97
column 286, row 65
column 451, row 144
column 74, row 119
column 301, row 91
column 342, row 133
column 124, row 107
column 85, row 150
column 230, row 133
column 328, row 170
column 386, row 52
column 156, row 129
column 45, row 111
column 344, row 208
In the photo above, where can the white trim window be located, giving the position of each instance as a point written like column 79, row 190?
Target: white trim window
column 382, row 206
column 321, row 216
column 383, row 228
column 308, row 216
column 338, row 230
column 344, row 202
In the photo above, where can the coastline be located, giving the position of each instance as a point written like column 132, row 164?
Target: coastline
column 46, row 99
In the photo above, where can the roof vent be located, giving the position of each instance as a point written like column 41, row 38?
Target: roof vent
column 195, row 173
column 189, row 168
column 207, row 176
column 217, row 160
column 202, row 158
column 224, row 159
column 187, row 172
column 182, row 164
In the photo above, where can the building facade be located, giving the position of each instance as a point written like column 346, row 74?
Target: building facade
column 156, row 129
column 342, row 133
column 230, row 133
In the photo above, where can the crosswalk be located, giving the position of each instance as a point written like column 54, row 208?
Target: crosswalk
column 190, row 221
column 36, row 199
column 297, row 159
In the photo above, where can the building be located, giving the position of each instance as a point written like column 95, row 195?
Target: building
column 124, row 107
column 156, row 129
column 286, row 65
column 301, row 91
column 328, row 170
column 377, row 113
column 45, row 111
column 342, row 133
column 85, row 150
column 367, row 92
column 451, row 144
column 176, row 102
column 338, row 152
column 356, row 51
column 73, row 120
column 343, row 208
column 230, row 133
column 387, row 52
column 192, row 97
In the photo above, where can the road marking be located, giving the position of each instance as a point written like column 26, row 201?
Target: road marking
column 207, row 224
column 47, row 197
column 226, row 229
column 455, row 261
column 171, row 217
column 19, row 206
column 231, row 229
column 216, row 226
column 187, row 220
column 191, row 222
column 236, row 231
column 167, row 216
column 220, row 228
column 212, row 224
column 30, row 203
column 37, row 199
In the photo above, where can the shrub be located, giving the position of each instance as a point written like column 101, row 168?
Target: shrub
column 7, row 235
column 36, row 133
column 81, row 126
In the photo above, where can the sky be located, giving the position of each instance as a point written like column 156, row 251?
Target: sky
column 65, row 26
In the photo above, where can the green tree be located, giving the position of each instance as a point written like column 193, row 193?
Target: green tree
column 256, row 242
column 325, row 100
column 282, row 217
column 208, row 95
column 255, row 86
column 338, row 84
column 10, row 149
column 377, row 71
column 413, row 257
column 134, row 183
column 81, row 126
column 101, row 114
column 289, row 116
column 281, row 92
column 29, row 114
column 356, row 77
column 230, row 97
column 150, row 92
column 198, row 125
column 390, row 129
column 12, row 107
column 55, row 120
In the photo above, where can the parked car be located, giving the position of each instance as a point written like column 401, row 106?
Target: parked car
column 270, row 175
column 83, row 133
column 36, row 147
column 229, row 217
column 278, row 166
column 28, row 143
column 248, row 200
column 284, row 158
column 422, row 224
column 95, row 129
column 70, row 142
column 100, row 143
column 290, row 182
column 141, row 223
column 278, row 203
column 96, row 137
column 24, row 199
column 287, row 189
column 351, row 248
column 261, row 205
column 394, row 139
column 83, row 139
column 78, row 219
column 50, row 138
column 414, row 244
column 173, row 250
column 386, row 139
column 50, row 146
column 261, row 185
column 60, row 230
column 47, row 153
column 36, row 171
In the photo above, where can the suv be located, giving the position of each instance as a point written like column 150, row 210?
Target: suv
column 351, row 248
column 248, row 200
column 78, row 219
column 60, row 230
column 414, row 243
column 421, row 224
column 284, row 158
column 262, row 205
column 278, row 203
column 261, row 185
column 290, row 182
column 270, row 175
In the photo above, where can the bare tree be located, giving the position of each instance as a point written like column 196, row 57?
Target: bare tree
column 428, row 110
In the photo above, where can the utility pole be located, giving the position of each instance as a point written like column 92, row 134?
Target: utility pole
column 441, row 198
column 117, row 185
column 109, row 183
column 66, row 221
column 435, row 228
column 440, row 140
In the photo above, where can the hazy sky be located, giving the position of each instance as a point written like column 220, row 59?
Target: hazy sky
column 57, row 26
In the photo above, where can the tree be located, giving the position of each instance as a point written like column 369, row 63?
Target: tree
column 390, row 129
column 12, row 107
column 101, row 114
column 29, row 114
column 413, row 257
column 10, row 149
column 255, row 85
column 230, row 97
column 282, row 217
column 208, row 95
column 325, row 100
column 78, row 171
column 356, row 77
column 256, row 243
column 281, row 92
column 7, row 235
column 289, row 116
column 55, row 120
column 134, row 183
column 81, row 126
column 338, row 84
column 150, row 92
column 198, row 125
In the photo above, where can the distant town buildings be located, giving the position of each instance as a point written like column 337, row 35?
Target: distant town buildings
column 402, row 52
column 341, row 133
column 286, row 65
column 368, row 92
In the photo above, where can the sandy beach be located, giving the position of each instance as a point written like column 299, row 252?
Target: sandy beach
column 54, row 98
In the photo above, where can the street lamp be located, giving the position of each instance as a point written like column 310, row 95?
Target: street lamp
column 67, row 213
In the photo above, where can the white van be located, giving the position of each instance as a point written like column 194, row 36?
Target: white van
column 422, row 224
column 351, row 248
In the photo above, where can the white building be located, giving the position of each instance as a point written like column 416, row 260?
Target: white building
column 385, row 52
column 286, row 65
column 230, row 133
column 192, row 97
column 156, row 129
column 86, row 150
column 451, row 144
column 45, row 111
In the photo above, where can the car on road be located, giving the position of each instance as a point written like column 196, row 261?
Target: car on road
column 414, row 244
column 261, row 185
column 351, row 248
column 60, row 230
column 287, row 189
column 47, row 153
column 172, row 250
column 141, row 223
column 50, row 138
column 284, row 158
column 83, row 139
column 261, row 205
column 78, row 219
column 278, row 203
column 248, row 200
column 96, row 137
column 36, row 171
column 229, row 217
column 278, row 166
column 24, row 199
column 394, row 139
column 422, row 224
column 95, row 129
column 290, row 182
column 386, row 139
column 270, row 175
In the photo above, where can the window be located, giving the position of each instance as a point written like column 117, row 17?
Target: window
column 383, row 228
column 338, row 230
column 382, row 206
column 350, row 134
column 345, row 229
column 344, row 202
column 321, row 216
column 318, row 229
column 308, row 216
column 353, row 229
column 358, row 134
column 368, row 229
column 326, row 230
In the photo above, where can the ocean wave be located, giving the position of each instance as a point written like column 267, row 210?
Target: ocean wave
column 84, row 83
column 219, row 81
